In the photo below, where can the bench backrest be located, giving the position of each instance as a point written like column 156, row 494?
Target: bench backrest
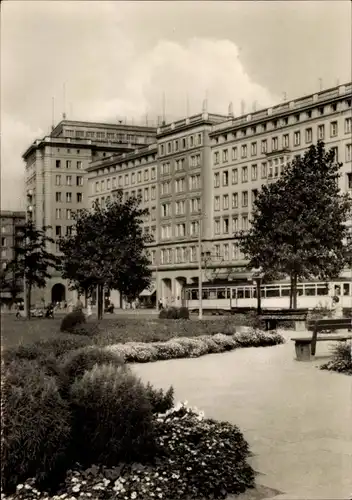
column 329, row 324
column 285, row 312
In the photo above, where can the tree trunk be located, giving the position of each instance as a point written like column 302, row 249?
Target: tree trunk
column 85, row 299
column 291, row 290
column 100, row 301
column 28, row 301
column 294, row 291
column 121, row 303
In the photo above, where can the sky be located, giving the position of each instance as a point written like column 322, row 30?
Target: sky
column 117, row 59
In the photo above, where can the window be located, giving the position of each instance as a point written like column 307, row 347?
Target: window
column 194, row 182
column 348, row 125
column 58, row 180
column 234, row 251
column 254, row 149
column 162, row 149
column 165, row 232
column 297, row 138
column 333, row 129
column 234, row 200
column 139, row 177
column 58, row 163
column 126, row 179
column 245, row 222
column 244, row 151
column 68, row 214
column 254, row 195
column 102, row 183
column 146, row 175
column 217, row 179
column 225, row 178
column 245, row 199
column 153, row 173
column 180, row 185
column 285, row 141
column 321, row 131
column 68, row 197
column 309, row 135
column 217, row 226
column 193, row 256
column 234, row 224
column 146, row 194
column 165, row 188
column 321, row 110
column 234, row 153
column 297, row 117
column 153, row 193
column 225, row 225
column 216, row 157
column 79, row 197
column 348, row 152
column 79, row 165
column 244, row 174
column 191, row 141
column 195, row 205
column 225, row 202
column 57, row 230
column 180, row 207
column 165, row 210
column 349, row 180
column 120, row 181
column 180, row 230
column 274, row 143
column 68, row 180
column 264, row 170
column 336, row 153
column 217, row 251
column 3, row 242
column 58, row 197
column 254, row 172
column 234, row 176
column 217, row 203
column 194, row 228
column 133, row 178
column 165, row 168
column 225, row 155
column 264, row 146
column 68, row 163
column 184, row 143
column 58, row 213
column 108, row 183
column 79, row 180
column 153, row 213
column 226, row 251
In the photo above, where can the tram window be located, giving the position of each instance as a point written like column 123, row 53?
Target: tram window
column 234, row 293
column 346, row 289
column 322, row 290
column 205, row 294
column 221, row 293
column 337, row 290
column 228, row 293
column 285, row 291
column 300, row 291
column 194, row 294
column 212, row 294
column 247, row 293
column 240, row 293
column 254, row 293
column 310, row 290
column 273, row 292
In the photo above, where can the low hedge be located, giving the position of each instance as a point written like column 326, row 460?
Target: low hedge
column 183, row 347
column 174, row 313
column 196, row 458
column 341, row 359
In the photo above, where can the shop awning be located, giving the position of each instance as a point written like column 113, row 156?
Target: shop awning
column 147, row 292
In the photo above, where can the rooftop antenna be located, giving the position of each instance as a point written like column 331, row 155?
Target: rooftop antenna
column 230, row 110
column 243, row 107
column 52, row 113
column 285, row 96
column 320, row 84
column 163, row 106
column 64, row 102
column 146, row 118
column 71, row 111
column 205, row 103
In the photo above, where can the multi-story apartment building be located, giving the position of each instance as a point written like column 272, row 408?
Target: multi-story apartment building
column 11, row 224
column 56, row 177
column 209, row 171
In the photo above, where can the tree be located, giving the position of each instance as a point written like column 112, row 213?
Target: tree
column 107, row 249
column 298, row 226
column 32, row 262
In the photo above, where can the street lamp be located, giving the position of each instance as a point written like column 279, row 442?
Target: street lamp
column 257, row 280
column 200, row 284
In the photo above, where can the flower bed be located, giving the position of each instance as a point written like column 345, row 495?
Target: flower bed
column 185, row 347
column 197, row 458
column 342, row 359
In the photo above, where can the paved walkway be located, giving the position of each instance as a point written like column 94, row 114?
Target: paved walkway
column 297, row 418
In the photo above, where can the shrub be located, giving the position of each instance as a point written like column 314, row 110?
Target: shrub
column 183, row 313
column 113, row 418
column 88, row 329
column 36, row 425
column 71, row 320
column 174, row 313
column 160, row 401
column 163, row 314
column 341, row 359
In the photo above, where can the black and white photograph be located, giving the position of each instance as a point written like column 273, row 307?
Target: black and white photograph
column 176, row 250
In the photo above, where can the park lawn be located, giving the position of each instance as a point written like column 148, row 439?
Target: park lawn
column 112, row 330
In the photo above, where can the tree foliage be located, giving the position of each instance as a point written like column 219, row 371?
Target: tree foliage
column 107, row 248
column 298, row 226
column 32, row 261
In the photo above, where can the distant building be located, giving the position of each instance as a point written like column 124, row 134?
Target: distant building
column 11, row 225
column 56, row 178
column 205, row 171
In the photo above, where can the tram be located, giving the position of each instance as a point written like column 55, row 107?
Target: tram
column 224, row 296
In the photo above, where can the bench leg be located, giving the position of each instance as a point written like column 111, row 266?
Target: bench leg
column 314, row 341
column 303, row 351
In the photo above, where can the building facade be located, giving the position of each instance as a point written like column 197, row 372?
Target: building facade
column 56, row 179
column 209, row 169
column 11, row 226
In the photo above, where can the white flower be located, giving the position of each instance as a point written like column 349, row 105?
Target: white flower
column 76, row 488
column 19, row 486
column 133, row 494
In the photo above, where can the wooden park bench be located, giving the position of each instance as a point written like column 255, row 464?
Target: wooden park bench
column 305, row 347
column 272, row 317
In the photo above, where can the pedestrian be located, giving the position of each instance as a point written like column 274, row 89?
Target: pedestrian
column 161, row 306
